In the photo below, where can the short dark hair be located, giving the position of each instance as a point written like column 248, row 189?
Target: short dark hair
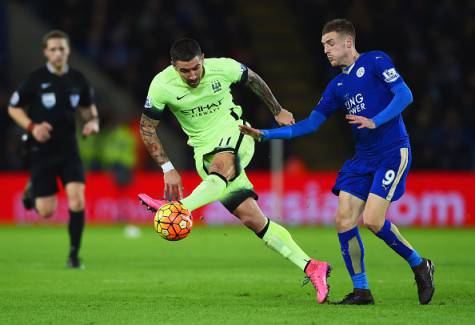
column 55, row 33
column 341, row 26
column 185, row 49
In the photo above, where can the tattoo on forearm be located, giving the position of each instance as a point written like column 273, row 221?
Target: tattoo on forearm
column 148, row 133
column 260, row 88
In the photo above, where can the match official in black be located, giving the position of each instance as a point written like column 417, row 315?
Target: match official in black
column 45, row 105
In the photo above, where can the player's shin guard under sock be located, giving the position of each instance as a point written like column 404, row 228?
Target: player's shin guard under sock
column 352, row 250
column 391, row 236
column 209, row 190
column 75, row 228
column 279, row 239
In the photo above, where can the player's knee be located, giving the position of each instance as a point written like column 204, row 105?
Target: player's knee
column 76, row 205
column 76, row 202
column 344, row 220
column 45, row 211
column 227, row 172
column 372, row 222
column 344, row 224
column 224, row 164
column 45, row 207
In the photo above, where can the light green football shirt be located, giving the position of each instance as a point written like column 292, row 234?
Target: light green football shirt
column 205, row 111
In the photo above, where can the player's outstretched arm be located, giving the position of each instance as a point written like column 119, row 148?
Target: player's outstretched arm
column 90, row 116
column 262, row 90
column 306, row 126
column 255, row 133
column 148, row 132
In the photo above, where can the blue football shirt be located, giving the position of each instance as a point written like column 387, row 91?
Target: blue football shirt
column 364, row 89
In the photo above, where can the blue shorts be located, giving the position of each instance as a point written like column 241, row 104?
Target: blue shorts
column 384, row 176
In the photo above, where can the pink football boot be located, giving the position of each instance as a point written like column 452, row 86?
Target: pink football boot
column 152, row 204
column 317, row 273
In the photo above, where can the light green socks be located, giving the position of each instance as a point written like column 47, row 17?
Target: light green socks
column 209, row 190
column 280, row 240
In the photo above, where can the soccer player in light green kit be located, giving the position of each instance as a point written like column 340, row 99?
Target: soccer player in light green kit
column 197, row 91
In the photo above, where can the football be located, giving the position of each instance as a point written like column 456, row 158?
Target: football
column 173, row 221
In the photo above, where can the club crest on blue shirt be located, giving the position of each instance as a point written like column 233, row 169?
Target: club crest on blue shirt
column 360, row 72
column 74, row 99
column 48, row 100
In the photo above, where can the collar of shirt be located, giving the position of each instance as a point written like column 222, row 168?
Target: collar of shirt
column 347, row 69
column 51, row 69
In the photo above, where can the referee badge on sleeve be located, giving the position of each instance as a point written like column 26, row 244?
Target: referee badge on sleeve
column 48, row 100
column 15, row 99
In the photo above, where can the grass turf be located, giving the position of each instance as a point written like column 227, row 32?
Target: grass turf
column 221, row 275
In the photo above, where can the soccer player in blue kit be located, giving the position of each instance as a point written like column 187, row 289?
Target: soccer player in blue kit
column 374, row 95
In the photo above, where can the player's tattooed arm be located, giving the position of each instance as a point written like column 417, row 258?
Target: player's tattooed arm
column 260, row 88
column 148, row 133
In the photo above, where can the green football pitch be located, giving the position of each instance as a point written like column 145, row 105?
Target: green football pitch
column 221, row 275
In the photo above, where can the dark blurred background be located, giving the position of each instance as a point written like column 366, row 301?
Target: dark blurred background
column 121, row 45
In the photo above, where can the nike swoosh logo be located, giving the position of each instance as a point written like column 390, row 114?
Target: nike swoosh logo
column 178, row 98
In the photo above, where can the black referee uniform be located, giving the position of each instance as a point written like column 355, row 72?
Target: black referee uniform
column 54, row 99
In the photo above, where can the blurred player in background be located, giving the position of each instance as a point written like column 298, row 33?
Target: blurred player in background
column 45, row 105
column 197, row 91
column 374, row 95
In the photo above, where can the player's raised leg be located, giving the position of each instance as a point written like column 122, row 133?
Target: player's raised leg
column 42, row 189
column 352, row 249
column 279, row 239
column 374, row 216
column 46, row 205
column 209, row 190
column 374, row 219
column 221, row 170
column 206, row 192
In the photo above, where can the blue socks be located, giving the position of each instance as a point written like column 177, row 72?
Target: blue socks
column 352, row 251
column 391, row 236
